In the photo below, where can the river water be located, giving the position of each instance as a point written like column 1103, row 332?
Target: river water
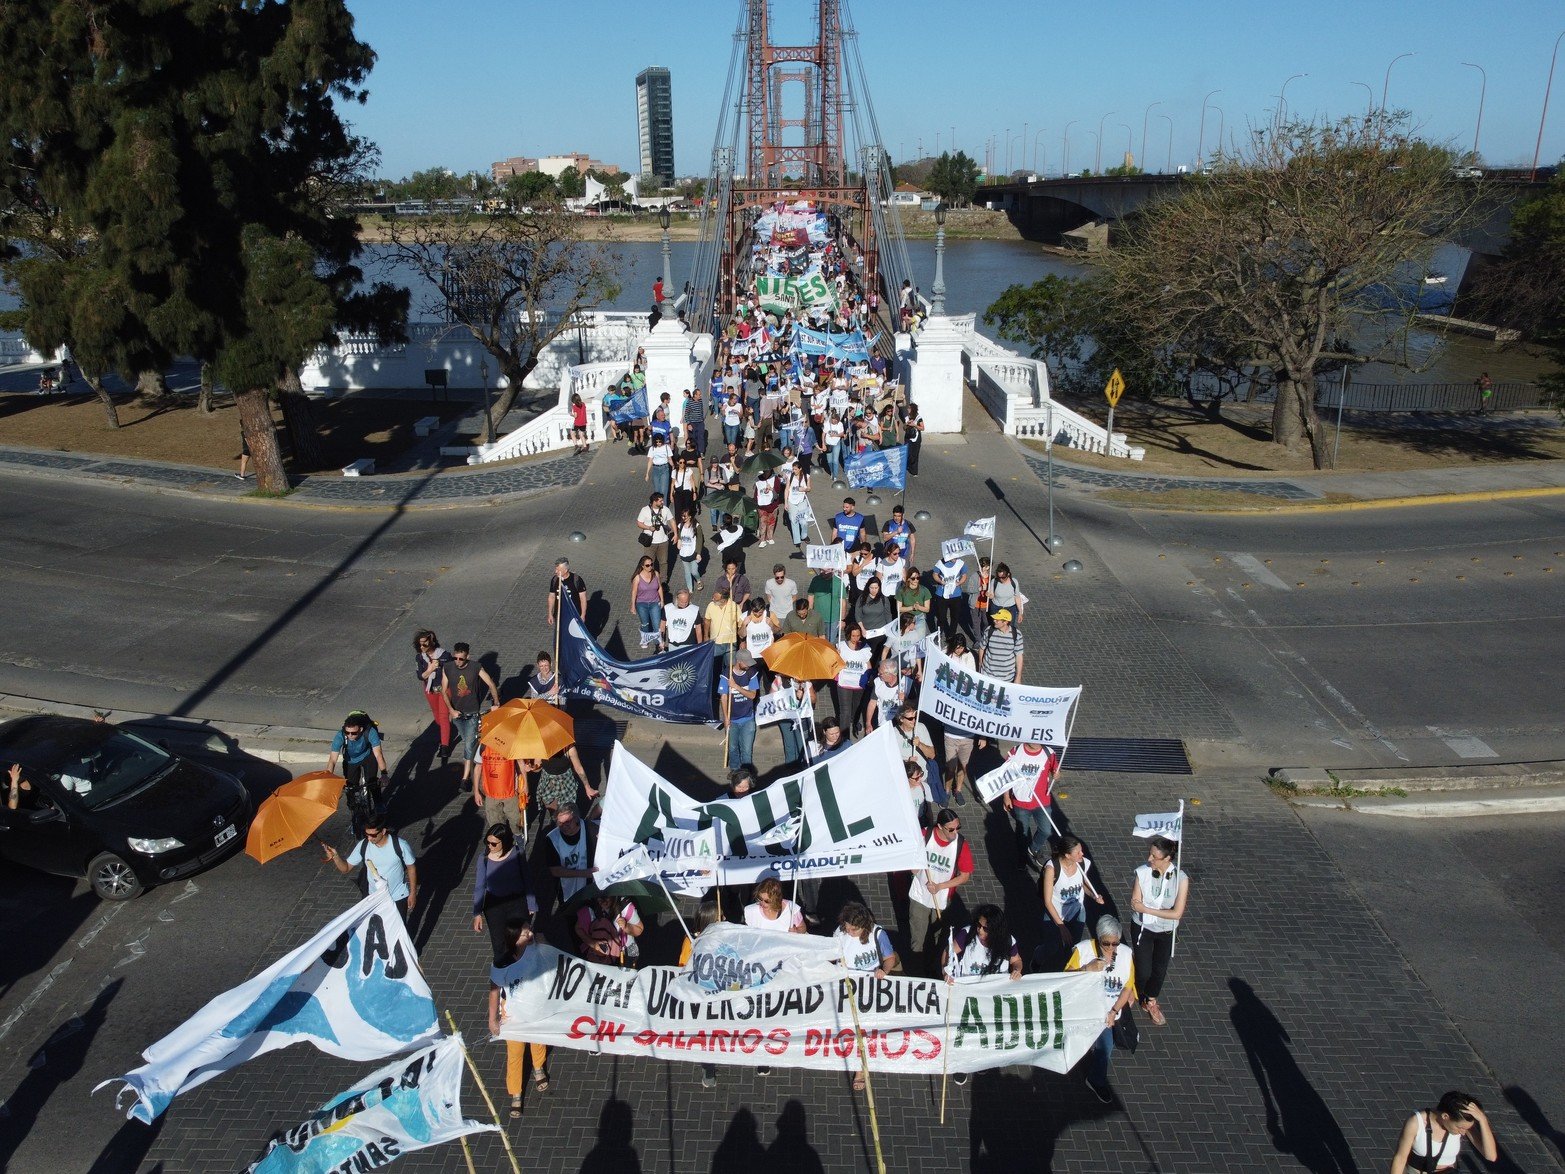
column 976, row 273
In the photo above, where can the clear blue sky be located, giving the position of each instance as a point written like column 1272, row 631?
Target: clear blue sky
column 467, row 82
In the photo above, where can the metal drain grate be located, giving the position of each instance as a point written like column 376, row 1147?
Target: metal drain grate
column 1156, row 756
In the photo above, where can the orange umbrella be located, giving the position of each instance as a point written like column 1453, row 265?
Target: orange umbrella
column 292, row 813
column 804, row 658
column 527, row 728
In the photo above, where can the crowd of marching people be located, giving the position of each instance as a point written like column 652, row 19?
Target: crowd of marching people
column 797, row 389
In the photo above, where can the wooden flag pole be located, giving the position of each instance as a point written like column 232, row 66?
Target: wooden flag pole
column 869, row 1090
column 488, row 1100
column 945, row 1047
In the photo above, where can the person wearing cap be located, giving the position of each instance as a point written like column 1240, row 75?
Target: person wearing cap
column 740, row 687
column 1001, row 652
column 948, row 865
column 1106, row 953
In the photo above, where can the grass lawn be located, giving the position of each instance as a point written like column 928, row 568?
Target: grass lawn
column 1183, row 440
column 350, row 427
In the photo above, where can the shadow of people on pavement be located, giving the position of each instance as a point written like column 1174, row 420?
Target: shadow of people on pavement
column 54, row 1064
column 1297, row 1117
column 791, row 1151
column 740, row 1151
column 1015, row 1121
column 1537, row 1120
column 613, row 1154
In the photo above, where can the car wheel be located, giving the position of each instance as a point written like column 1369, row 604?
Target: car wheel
column 112, row 879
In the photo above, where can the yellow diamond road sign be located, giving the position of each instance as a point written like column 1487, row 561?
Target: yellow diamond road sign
column 1114, row 389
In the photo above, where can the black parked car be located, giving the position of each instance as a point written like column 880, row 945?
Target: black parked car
column 109, row 805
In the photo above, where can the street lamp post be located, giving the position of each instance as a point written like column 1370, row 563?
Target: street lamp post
column 1008, row 151
column 1369, row 103
column 483, row 373
column 937, row 292
column 1037, row 166
column 1385, row 88
column 1097, row 149
column 668, row 280
column 1097, row 164
column 1200, row 149
column 1067, row 164
column 1168, row 167
column 1144, row 120
column 1544, row 117
column 1026, row 126
column 1129, row 134
column 1483, row 91
column 1282, row 98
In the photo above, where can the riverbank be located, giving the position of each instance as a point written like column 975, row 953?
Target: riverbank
column 961, row 224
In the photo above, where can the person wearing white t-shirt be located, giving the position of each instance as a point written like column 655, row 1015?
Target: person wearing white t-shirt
column 1158, row 899
column 1107, row 955
column 772, row 911
column 865, row 948
column 656, row 523
column 682, row 622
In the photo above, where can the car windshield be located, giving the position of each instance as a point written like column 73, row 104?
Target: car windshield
column 99, row 771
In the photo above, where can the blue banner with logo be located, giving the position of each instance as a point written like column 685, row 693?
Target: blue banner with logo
column 635, row 408
column 878, row 468
column 852, row 346
column 674, row 686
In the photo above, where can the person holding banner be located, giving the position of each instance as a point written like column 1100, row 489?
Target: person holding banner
column 876, row 613
column 948, row 866
column 646, row 600
column 1106, row 954
column 771, row 910
column 1158, row 898
column 518, row 935
column 1029, row 799
column 606, row 931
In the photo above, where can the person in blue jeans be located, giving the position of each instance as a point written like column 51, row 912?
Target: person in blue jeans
column 363, row 764
column 389, row 864
column 1107, row 955
column 741, row 687
column 646, row 598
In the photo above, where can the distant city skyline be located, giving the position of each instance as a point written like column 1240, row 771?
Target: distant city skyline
column 492, row 80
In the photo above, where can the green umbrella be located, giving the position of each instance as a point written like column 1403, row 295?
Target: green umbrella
column 768, row 460
column 730, row 501
column 647, row 894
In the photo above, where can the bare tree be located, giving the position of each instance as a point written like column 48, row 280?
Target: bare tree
column 515, row 279
column 1305, row 250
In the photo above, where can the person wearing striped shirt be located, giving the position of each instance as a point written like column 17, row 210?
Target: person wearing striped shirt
column 1000, row 654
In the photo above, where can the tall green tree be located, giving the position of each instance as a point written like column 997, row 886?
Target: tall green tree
column 1316, row 233
column 196, row 148
column 954, row 178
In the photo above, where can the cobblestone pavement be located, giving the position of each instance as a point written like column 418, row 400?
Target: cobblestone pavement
column 1297, row 1039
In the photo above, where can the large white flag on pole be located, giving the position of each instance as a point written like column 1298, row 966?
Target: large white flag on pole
column 353, row 990
column 1162, row 823
column 980, row 528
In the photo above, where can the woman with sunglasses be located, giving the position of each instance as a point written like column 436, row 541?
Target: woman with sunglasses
column 1005, row 593
column 501, row 889
column 1106, row 954
column 1432, row 1138
column 646, row 598
column 848, row 696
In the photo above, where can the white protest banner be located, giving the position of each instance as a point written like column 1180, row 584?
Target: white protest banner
column 781, row 706
column 412, row 1104
column 976, row 704
column 729, row 957
column 803, row 511
column 831, row 557
column 856, row 817
column 684, row 862
column 980, row 528
column 957, row 548
column 1163, row 823
column 998, row 781
column 353, row 990
column 786, row 831
column 891, row 630
column 1044, row 1020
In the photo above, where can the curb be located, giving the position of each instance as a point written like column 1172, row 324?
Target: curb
column 1472, row 777
column 1455, row 806
column 1379, row 503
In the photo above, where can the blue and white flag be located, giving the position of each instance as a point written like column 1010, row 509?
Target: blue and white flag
column 354, row 990
column 852, row 346
column 878, row 468
column 674, row 686
column 412, row 1104
column 635, row 408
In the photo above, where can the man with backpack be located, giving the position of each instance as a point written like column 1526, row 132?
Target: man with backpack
column 388, row 862
column 358, row 743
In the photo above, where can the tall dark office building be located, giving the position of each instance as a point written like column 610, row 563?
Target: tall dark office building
column 655, row 122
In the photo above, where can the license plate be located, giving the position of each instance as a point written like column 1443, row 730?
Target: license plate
column 224, row 836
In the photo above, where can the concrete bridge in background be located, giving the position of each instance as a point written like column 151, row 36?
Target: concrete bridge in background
column 1046, row 209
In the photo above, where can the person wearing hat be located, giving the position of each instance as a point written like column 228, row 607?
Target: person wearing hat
column 1000, row 654
column 740, row 687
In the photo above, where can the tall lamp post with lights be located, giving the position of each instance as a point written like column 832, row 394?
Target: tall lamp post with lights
column 663, row 307
column 937, row 292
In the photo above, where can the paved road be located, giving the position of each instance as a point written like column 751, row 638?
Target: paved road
column 1300, row 1033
